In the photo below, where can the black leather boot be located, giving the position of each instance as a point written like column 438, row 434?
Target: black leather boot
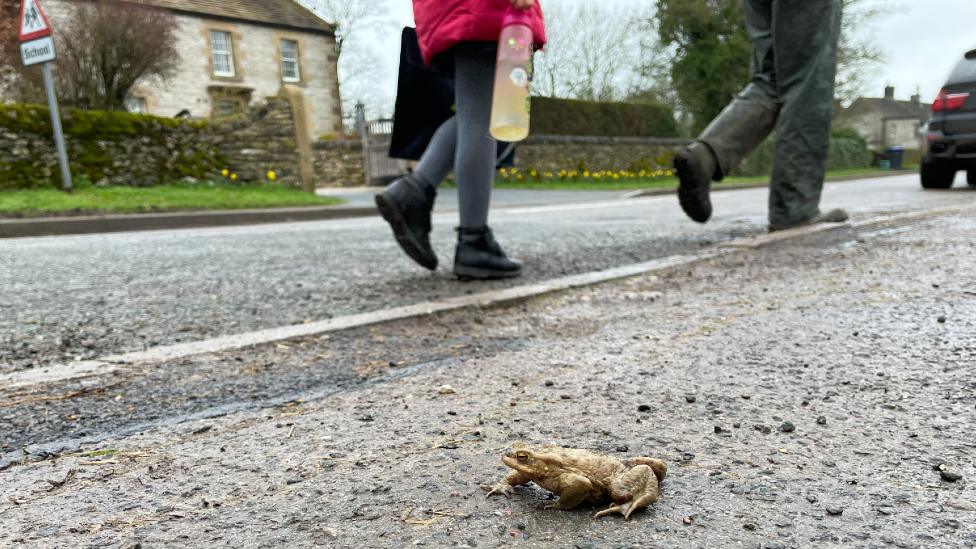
column 406, row 205
column 478, row 256
column 695, row 166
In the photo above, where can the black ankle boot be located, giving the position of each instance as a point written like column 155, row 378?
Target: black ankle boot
column 478, row 256
column 406, row 205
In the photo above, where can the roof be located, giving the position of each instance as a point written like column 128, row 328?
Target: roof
column 889, row 108
column 279, row 13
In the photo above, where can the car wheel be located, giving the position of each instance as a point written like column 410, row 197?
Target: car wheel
column 937, row 175
column 971, row 177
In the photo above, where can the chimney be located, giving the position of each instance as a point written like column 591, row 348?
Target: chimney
column 889, row 92
column 917, row 100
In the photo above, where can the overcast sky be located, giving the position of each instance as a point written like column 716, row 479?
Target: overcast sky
column 922, row 40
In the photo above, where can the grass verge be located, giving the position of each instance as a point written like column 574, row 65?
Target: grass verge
column 89, row 199
column 644, row 183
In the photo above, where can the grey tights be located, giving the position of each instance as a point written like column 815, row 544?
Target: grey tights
column 463, row 142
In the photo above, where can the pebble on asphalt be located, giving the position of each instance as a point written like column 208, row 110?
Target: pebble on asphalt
column 835, row 511
column 949, row 476
column 643, row 408
column 787, row 427
column 822, row 420
column 690, row 399
column 446, row 390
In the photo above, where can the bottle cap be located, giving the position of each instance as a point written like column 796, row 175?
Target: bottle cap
column 516, row 16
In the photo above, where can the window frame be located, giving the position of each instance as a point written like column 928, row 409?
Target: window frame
column 297, row 60
column 228, row 52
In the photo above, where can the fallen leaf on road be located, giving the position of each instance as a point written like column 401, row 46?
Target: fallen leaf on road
column 450, row 444
column 100, row 462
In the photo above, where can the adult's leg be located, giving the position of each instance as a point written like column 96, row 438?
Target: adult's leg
column 805, row 36
column 474, row 168
column 751, row 116
column 738, row 129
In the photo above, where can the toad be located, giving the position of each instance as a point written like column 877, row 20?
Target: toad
column 578, row 476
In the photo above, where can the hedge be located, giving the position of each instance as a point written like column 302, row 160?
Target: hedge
column 552, row 116
column 845, row 153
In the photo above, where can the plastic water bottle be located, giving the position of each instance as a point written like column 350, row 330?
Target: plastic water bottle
column 513, row 75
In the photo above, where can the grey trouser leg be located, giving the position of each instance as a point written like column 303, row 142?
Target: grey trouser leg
column 794, row 65
column 463, row 142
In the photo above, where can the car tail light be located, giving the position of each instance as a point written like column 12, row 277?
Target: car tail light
column 949, row 101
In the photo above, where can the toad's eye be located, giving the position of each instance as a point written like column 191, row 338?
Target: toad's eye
column 522, row 456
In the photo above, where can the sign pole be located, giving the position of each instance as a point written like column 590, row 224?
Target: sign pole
column 52, row 103
column 37, row 48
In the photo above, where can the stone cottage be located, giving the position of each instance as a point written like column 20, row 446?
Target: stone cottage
column 235, row 53
column 886, row 122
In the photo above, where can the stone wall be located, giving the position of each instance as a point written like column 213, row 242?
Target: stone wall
column 107, row 148
column 338, row 163
column 552, row 153
column 259, row 142
column 129, row 149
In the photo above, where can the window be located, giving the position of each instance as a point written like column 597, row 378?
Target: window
column 229, row 100
column 222, row 46
column 290, row 71
column 136, row 105
column 228, row 107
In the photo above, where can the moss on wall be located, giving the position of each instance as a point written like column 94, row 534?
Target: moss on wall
column 109, row 147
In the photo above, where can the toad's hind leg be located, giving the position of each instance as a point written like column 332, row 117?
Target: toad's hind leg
column 634, row 489
column 659, row 467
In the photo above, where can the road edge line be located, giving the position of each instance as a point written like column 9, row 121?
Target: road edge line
column 492, row 298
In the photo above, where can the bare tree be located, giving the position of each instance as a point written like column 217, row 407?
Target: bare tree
column 858, row 55
column 355, row 22
column 593, row 51
column 108, row 46
column 347, row 16
column 9, row 13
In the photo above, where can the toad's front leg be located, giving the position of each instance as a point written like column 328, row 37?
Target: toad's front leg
column 504, row 486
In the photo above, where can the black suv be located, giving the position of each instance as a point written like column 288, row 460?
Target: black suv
column 952, row 129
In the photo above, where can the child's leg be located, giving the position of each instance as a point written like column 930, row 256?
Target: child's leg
column 474, row 166
column 438, row 160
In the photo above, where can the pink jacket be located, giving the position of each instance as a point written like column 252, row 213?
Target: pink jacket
column 441, row 24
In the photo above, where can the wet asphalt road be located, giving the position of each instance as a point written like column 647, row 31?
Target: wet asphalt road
column 65, row 298
column 817, row 392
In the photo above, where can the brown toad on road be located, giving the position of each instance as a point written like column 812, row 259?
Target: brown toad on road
column 580, row 475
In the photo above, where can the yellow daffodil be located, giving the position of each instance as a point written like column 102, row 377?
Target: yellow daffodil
column 225, row 172
column 233, row 177
column 272, row 176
